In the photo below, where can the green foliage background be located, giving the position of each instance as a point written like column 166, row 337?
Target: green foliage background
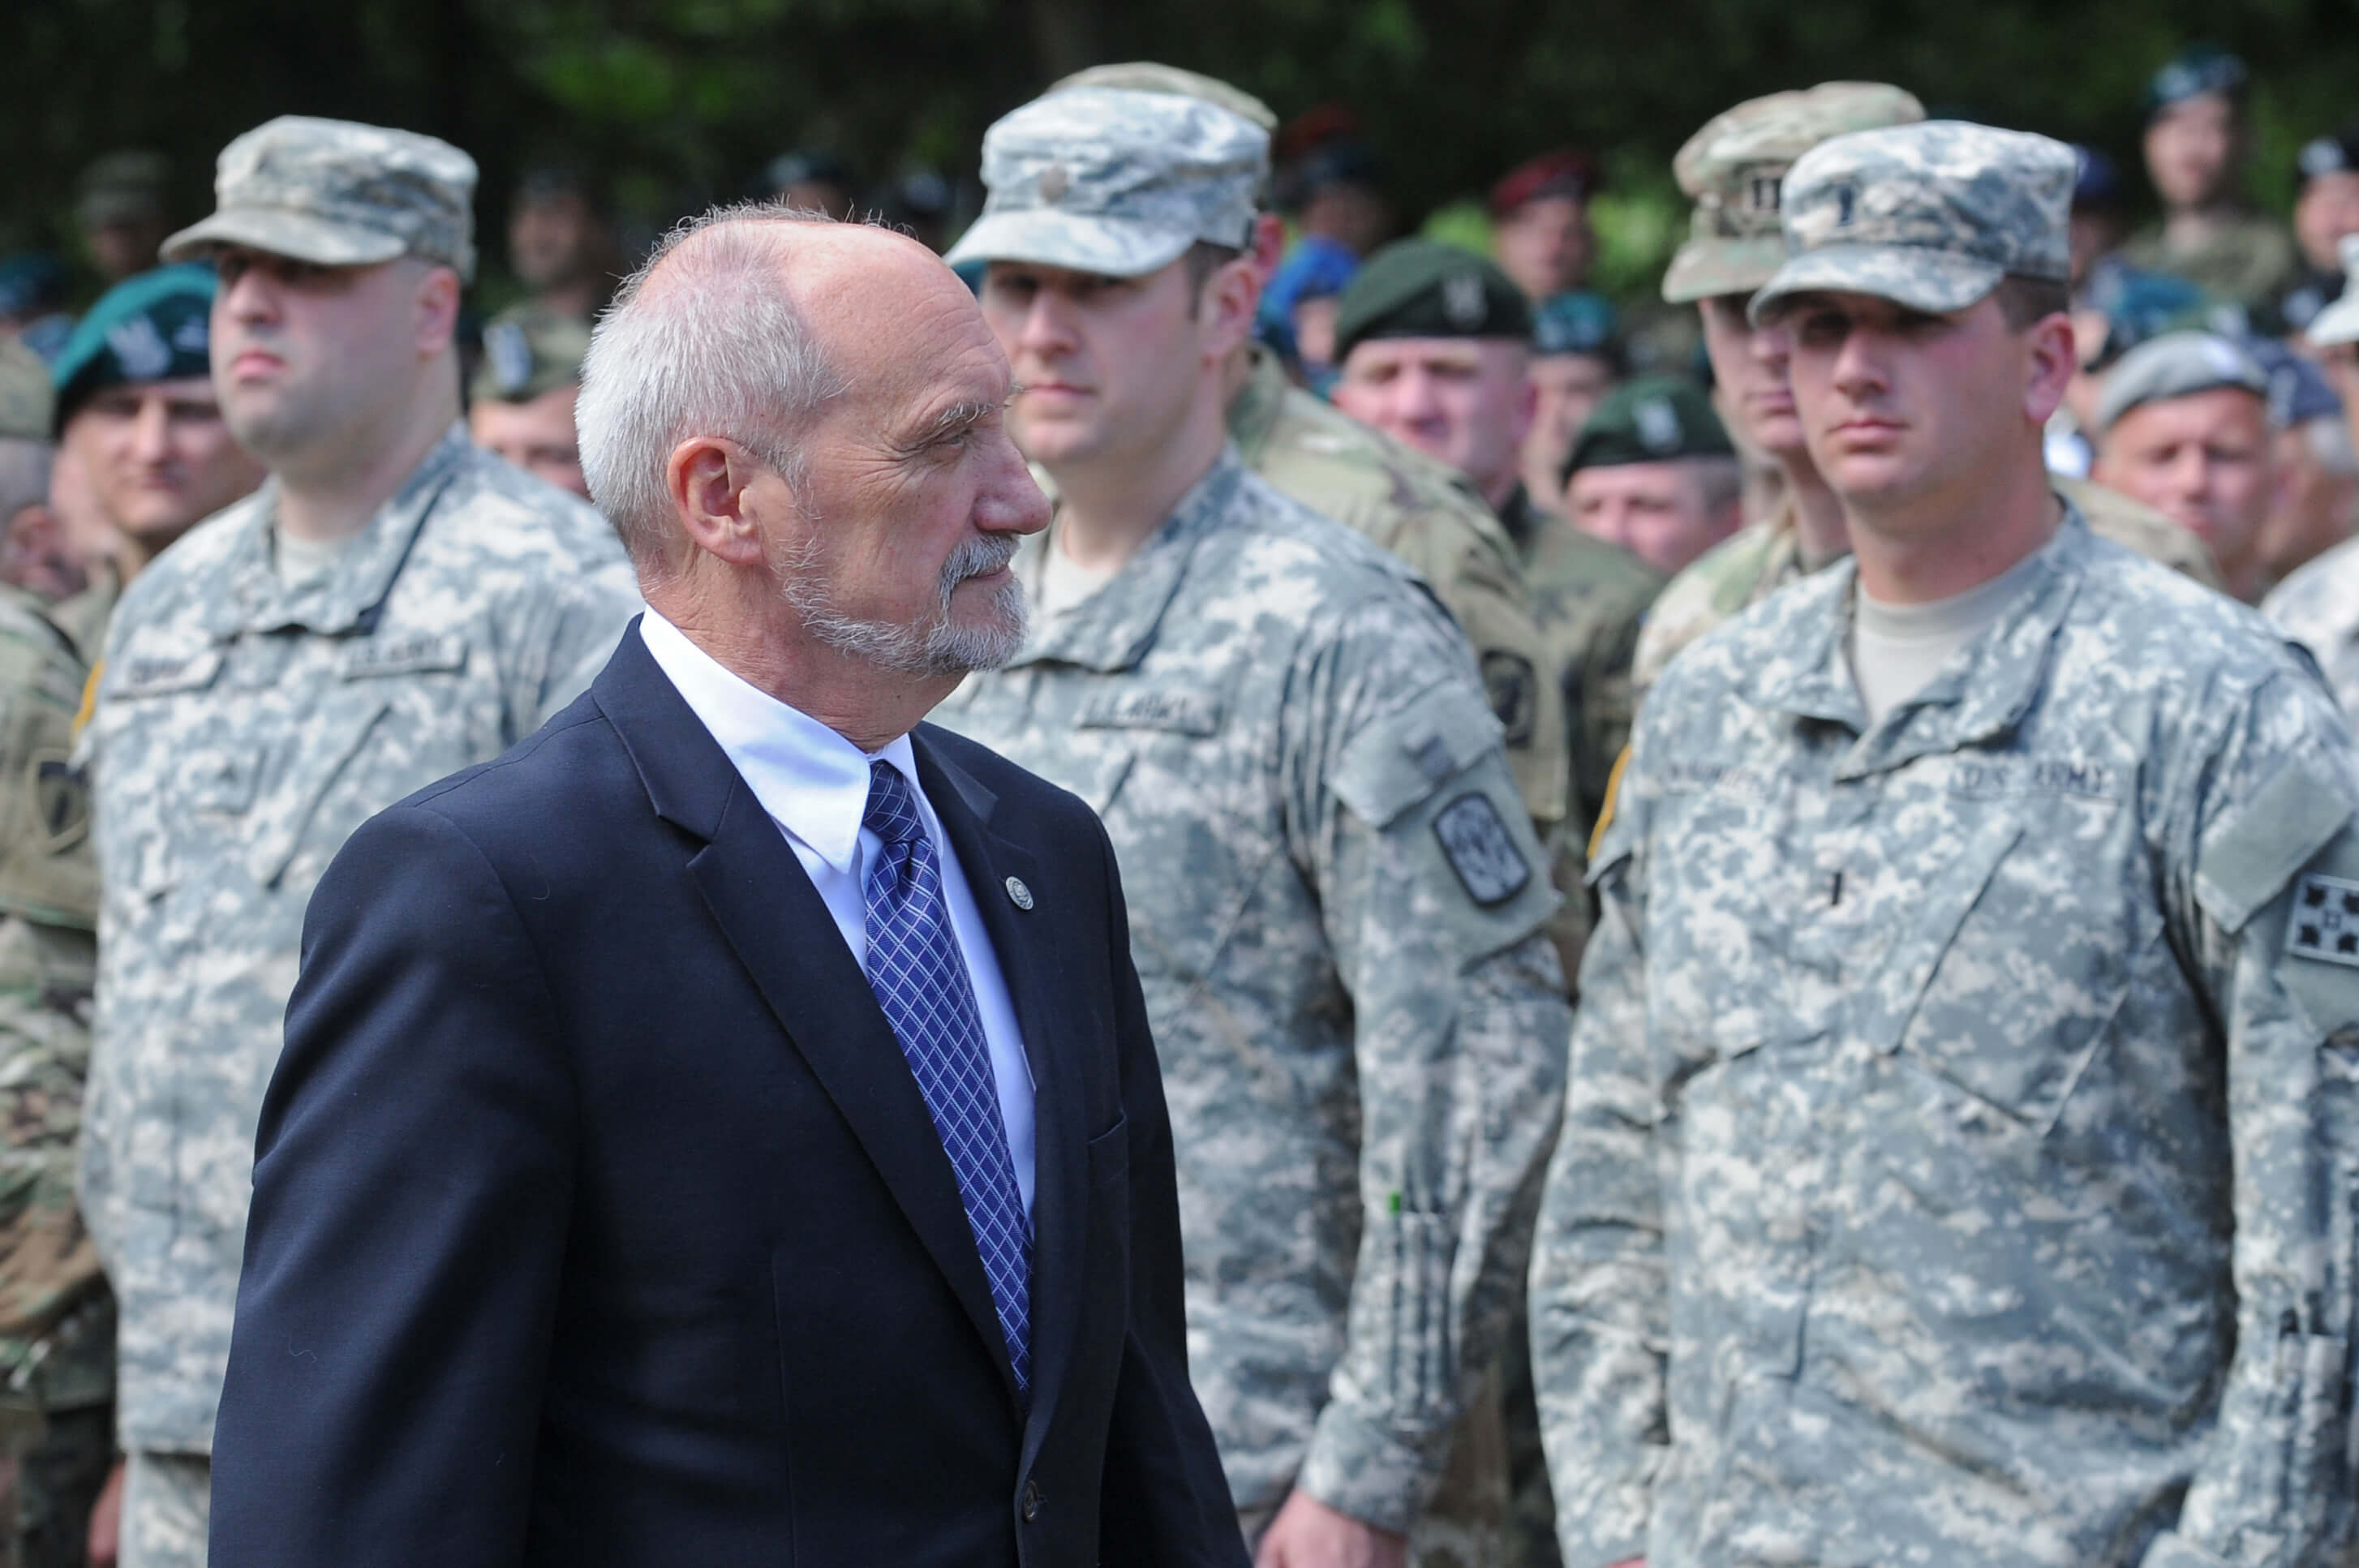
column 681, row 99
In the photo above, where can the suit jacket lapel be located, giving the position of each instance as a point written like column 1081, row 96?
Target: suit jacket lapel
column 781, row 930
column 1028, row 961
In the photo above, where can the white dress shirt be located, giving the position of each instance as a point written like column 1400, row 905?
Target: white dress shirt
column 814, row 784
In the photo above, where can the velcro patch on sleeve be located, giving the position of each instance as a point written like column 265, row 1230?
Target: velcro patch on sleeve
column 1481, row 850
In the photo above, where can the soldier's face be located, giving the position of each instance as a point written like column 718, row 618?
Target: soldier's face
column 536, row 436
column 1900, row 407
column 2206, row 461
column 551, row 239
column 1545, row 245
column 1466, row 401
column 1110, row 367
column 1657, row 511
column 2329, row 209
column 2189, row 149
column 1748, row 366
column 1566, row 389
column 158, row 457
column 315, row 364
column 897, row 545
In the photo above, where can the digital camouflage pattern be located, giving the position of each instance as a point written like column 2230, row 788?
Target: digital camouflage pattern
column 56, row 1318
column 2318, row 606
column 1150, row 76
column 1116, row 180
column 1763, row 556
column 1336, row 909
column 338, row 193
column 1732, row 170
column 1931, row 215
column 244, row 728
column 1429, row 517
column 1959, row 1160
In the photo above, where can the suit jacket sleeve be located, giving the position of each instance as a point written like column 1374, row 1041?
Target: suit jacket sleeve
column 411, row 1191
column 1165, row 1500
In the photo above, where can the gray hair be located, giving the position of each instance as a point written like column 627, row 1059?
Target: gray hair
column 713, row 347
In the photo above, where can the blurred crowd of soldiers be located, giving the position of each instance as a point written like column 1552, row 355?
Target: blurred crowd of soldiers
column 285, row 535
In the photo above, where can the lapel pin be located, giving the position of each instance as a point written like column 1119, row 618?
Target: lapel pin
column 1020, row 893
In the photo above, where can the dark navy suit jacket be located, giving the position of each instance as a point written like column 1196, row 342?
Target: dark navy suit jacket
column 597, row 1218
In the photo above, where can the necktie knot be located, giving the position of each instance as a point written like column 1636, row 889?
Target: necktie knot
column 892, row 810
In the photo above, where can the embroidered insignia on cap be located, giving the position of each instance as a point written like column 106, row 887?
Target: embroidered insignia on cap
column 1846, row 205
column 1657, row 424
column 2325, row 920
column 1761, row 194
column 1055, row 181
column 139, row 348
column 1481, row 850
column 193, row 335
column 1462, row 300
column 509, row 353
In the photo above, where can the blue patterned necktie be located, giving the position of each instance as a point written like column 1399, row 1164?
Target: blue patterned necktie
column 921, row 980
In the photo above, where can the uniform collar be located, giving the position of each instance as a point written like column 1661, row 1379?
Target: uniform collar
column 253, row 600
column 1253, row 412
column 1981, row 692
column 1114, row 628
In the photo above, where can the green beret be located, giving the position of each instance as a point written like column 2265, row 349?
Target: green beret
column 1656, row 419
column 529, row 353
column 1421, row 288
column 156, row 326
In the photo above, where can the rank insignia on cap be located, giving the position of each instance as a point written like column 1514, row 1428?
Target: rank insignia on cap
column 1055, row 181
column 1846, row 205
column 1481, row 850
column 2325, row 920
column 1462, row 300
column 1761, row 191
column 1657, row 424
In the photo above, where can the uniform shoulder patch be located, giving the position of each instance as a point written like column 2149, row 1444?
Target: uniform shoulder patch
column 2324, row 923
column 1481, row 850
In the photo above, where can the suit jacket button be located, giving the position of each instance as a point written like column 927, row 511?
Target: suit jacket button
column 1031, row 1501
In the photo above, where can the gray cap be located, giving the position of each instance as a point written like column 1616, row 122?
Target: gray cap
column 339, row 194
column 2178, row 364
column 2338, row 322
column 1115, row 181
column 1930, row 216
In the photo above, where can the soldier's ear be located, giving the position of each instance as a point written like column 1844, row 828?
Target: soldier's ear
column 436, row 309
column 2049, row 366
column 1225, row 306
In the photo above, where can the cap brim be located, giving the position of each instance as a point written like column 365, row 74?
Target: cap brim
column 1912, row 275
column 1708, row 269
column 1110, row 247
column 303, row 236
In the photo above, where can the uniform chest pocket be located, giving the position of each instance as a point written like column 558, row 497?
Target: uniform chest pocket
column 2016, row 960
column 1161, row 724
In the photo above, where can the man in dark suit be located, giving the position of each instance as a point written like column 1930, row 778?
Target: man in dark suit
column 725, row 1129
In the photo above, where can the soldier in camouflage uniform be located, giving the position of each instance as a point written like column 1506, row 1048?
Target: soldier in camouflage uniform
column 392, row 606
column 520, row 403
column 1732, row 168
column 2318, row 605
column 1434, row 344
column 1339, row 923
column 57, row 1321
column 2197, row 137
column 1423, row 512
column 1959, row 1165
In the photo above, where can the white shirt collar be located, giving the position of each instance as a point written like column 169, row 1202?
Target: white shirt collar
column 813, row 781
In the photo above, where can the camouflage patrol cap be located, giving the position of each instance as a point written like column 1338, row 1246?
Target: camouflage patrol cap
column 336, row 193
column 1147, row 76
column 1930, row 216
column 1116, row 180
column 528, row 353
column 25, row 397
column 1732, row 169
